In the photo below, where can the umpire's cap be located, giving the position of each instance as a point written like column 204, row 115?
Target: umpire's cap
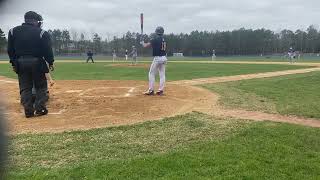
column 159, row 30
column 31, row 15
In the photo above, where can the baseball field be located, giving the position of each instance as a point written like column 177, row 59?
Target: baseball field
column 222, row 119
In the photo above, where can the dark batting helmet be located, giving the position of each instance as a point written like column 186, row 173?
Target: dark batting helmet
column 159, row 30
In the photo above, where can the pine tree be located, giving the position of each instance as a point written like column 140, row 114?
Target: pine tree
column 3, row 40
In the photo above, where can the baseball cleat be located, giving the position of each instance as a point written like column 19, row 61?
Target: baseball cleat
column 159, row 93
column 42, row 112
column 149, row 93
column 29, row 115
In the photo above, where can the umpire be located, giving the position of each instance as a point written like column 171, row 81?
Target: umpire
column 28, row 47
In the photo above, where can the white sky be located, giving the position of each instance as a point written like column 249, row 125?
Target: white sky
column 115, row 17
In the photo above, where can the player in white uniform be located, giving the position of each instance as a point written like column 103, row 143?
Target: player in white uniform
column 134, row 54
column 159, row 46
column 126, row 55
column 213, row 55
column 292, row 55
column 114, row 55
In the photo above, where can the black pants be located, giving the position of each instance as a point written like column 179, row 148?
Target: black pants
column 30, row 73
column 89, row 59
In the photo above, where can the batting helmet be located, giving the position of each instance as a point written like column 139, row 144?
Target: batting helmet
column 160, row 30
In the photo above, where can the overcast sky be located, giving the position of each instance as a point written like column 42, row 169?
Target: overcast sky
column 115, row 17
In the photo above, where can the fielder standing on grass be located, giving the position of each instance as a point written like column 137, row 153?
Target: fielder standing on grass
column 292, row 55
column 159, row 46
column 90, row 56
column 114, row 55
column 29, row 48
column 126, row 54
column 213, row 55
column 134, row 54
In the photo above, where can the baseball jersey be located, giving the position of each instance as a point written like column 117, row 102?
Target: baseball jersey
column 134, row 52
column 291, row 50
column 159, row 46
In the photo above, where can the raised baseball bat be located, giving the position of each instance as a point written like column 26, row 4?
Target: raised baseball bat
column 141, row 23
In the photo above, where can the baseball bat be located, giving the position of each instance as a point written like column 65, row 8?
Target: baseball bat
column 141, row 23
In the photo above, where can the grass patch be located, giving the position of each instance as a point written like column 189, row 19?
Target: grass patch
column 175, row 71
column 193, row 146
column 52, row 151
column 288, row 95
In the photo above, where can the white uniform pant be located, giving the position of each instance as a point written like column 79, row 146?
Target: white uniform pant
column 158, row 65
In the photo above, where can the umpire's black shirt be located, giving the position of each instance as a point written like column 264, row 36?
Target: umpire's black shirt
column 29, row 40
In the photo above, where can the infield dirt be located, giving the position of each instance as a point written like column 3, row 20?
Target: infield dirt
column 88, row 104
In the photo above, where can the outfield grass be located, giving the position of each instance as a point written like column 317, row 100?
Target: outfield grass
column 175, row 71
column 307, row 58
column 192, row 146
column 288, row 95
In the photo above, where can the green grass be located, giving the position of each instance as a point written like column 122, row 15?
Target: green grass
column 175, row 71
column 288, row 95
column 266, row 58
column 192, row 146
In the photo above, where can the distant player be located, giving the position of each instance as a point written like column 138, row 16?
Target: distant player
column 159, row 46
column 291, row 55
column 114, row 55
column 134, row 54
column 126, row 55
column 213, row 55
column 90, row 56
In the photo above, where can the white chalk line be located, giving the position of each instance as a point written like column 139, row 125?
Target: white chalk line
column 53, row 113
column 131, row 90
column 58, row 113
column 74, row 91
column 128, row 94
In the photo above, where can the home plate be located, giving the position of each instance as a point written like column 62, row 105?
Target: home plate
column 74, row 91
column 58, row 113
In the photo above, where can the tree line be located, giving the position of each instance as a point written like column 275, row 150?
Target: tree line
column 197, row 43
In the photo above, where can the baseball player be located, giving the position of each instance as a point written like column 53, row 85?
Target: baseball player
column 134, row 54
column 159, row 46
column 90, row 56
column 291, row 54
column 126, row 55
column 114, row 55
column 213, row 55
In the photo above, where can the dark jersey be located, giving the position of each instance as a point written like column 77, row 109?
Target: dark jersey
column 29, row 40
column 89, row 54
column 159, row 46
